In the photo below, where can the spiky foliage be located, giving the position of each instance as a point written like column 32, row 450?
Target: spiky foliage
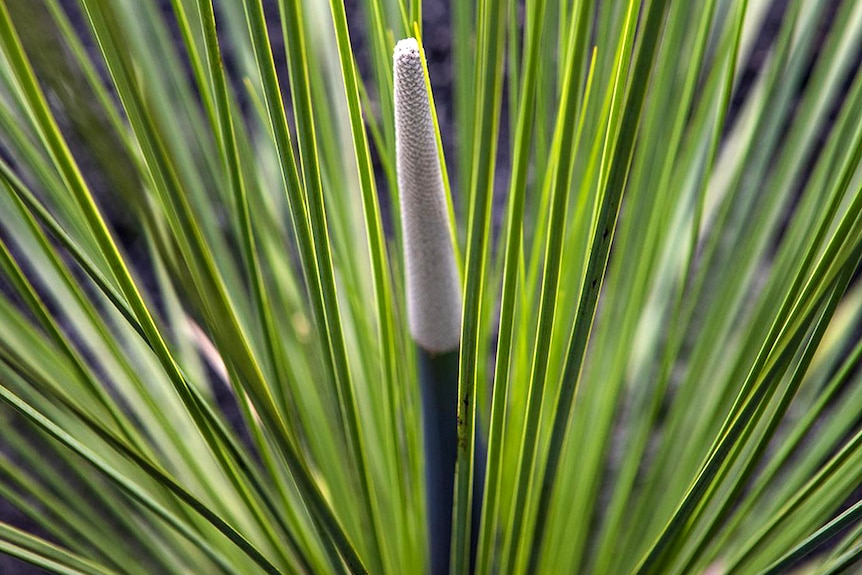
column 205, row 360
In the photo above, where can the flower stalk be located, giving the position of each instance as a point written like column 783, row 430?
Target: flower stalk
column 433, row 286
column 433, row 292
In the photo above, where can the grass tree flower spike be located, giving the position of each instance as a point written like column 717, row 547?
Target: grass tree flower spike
column 433, row 291
column 433, row 288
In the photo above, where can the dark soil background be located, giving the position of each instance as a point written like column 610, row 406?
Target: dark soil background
column 438, row 45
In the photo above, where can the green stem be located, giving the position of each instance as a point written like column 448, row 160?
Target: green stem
column 438, row 376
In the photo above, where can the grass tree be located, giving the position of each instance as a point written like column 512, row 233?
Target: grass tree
column 248, row 323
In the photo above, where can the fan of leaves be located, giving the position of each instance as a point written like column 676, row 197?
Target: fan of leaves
column 204, row 359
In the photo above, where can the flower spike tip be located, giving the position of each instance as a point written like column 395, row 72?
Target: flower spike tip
column 433, row 287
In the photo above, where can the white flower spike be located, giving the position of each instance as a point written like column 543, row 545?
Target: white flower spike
column 433, row 287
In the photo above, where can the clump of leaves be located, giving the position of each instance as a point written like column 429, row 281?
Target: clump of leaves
column 660, row 347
